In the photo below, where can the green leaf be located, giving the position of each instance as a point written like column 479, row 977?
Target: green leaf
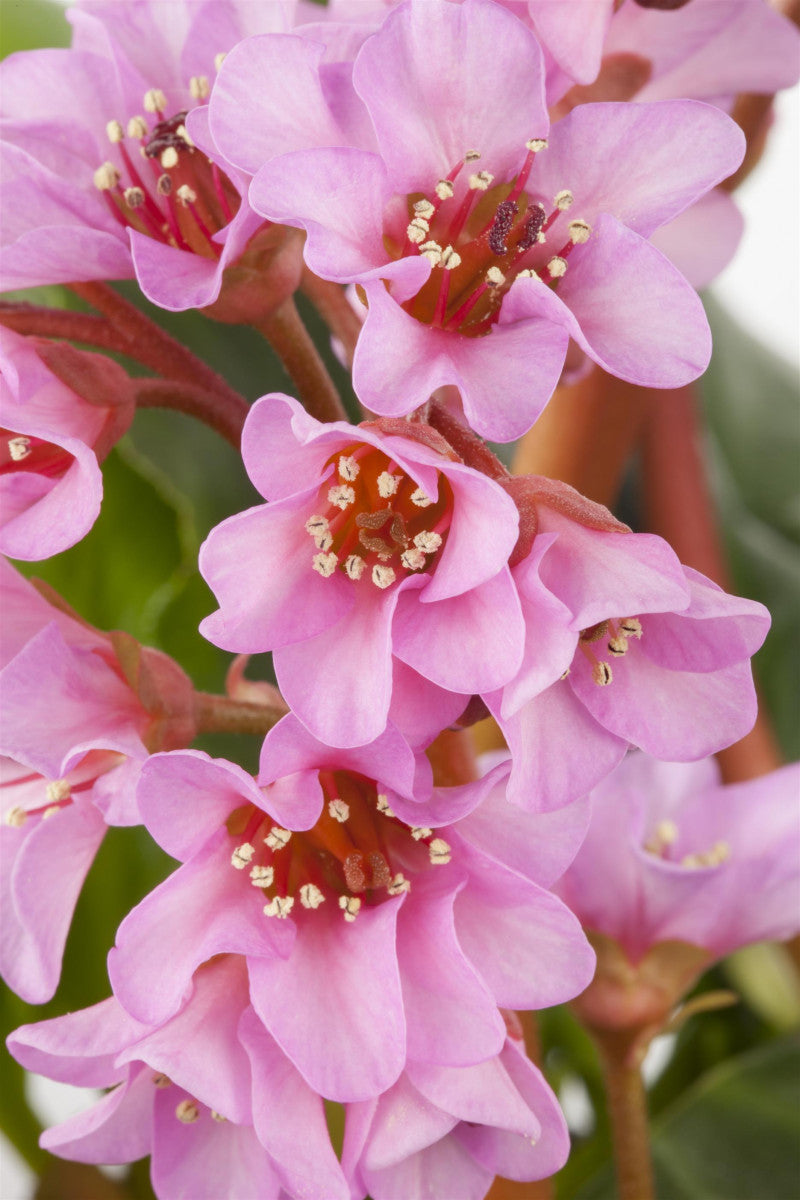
column 29, row 24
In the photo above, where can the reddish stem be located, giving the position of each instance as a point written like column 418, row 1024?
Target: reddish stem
column 226, row 418
column 35, row 321
column 292, row 342
column 221, row 714
column 330, row 301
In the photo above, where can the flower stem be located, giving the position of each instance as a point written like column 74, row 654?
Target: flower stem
column 627, row 1107
column 221, row 714
column 290, row 339
column 330, row 301
column 36, row 321
column 226, row 418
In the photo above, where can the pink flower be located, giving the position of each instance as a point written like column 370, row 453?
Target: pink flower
column 50, row 482
column 416, row 195
column 101, row 178
column 673, row 855
column 379, row 567
column 74, row 733
column 373, row 934
column 207, row 1094
column 448, row 1131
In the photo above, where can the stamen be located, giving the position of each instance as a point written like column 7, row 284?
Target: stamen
column 536, row 144
column 187, row 1112
column 601, row 674
column 631, row 627
column 114, row 132
column 162, row 1081
column 481, row 181
column 382, row 805
column 348, row 467
column 15, row 817
column 424, row 209
column 418, row 832
column 324, row 564
column 439, row 851
column 354, row 566
column 666, row 833
column 155, row 101
column 137, row 128
column 311, row 896
column 557, row 267
column 350, row 906
column 420, row 499
column 413, row 559
column 579, row 231
column 618, row 646
column 242, row 856
column 51, row 811
column 261, row 877
column 450, row 259
column 134, row 197
column 445, row 189
column 432, row 251
column 563, row 200
column 19, row 448
column 339, row 810
column 58, row 790
column 164, row 185
column 388, row 484
column 428, row 541
column 317, row 525
column 501, row 226
column 280, row 907
column 417, row 230
column 495, row 277
column 215, row 1116
column 186, row 195
column 198, row 87
column 714, row 857
column 472, row 156
column 169, row 158
column 219, row 59
column 532, row 230
column 106, row 177
column 342, row 496
column 383, row 577
column 278, row 837
column 398, row 885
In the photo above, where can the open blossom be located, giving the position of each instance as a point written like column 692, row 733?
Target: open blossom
column 375, row 931
column 50, row 482
column 674, row 855
column 106, row 169
column 74, row 734
column 379, row 567
column 208, row 1095
column 499, row 240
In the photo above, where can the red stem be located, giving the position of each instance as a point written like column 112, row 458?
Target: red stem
column 330, row 301
column 292, row 342
column 226, row 418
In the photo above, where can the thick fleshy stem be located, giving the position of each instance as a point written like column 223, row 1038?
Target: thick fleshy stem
column 627, row 1110
column 330, row 301
column 224, row 417
column 681, row 510
column 36, row 321
column 289, row 338
column 221, row 714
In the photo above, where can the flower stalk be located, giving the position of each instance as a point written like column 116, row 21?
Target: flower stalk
column 627, row 1106
column 221, row 714
column 291, row 341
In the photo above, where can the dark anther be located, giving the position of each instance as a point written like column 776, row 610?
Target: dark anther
column 376, row 545
column 504, row 219
column 532, row 228
column 166, row 134
column 354, row 873
column 379, row 873
column 373, row 520
column 397, row 532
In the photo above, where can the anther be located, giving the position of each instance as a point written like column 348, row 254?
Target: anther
column 383, row 577
column 536, row 144
column 450, row 259
column 51, row 811
column 601, row 674
column 495, row 277
column 532, row 231
column 501, row 226
column 242, row 856
column 557, row 266
column 413, row 559
column 164, row 185
column 114, row 132
column 350, row 906
column 154, row 101
column 316, row 525
column 186, row 195
column 481, row 181
column 134, row 197
column 354, row 566
column 137, row 128
column 417, row 230
column 618, row 646
column 579, row 232
column 418, row 832
column 280, row 907
column 261, row 877
column 325, row 564
column 424, row 209
column 387, row 484
column 58, row 790
column 106, row 177
column 666, row 833
column 339, row 810
column 216, row 1116
column 382, row 805
column 19, row 448
column 348, row 467
column 472, row 156
column 187, row 1112
column 439, row 851
column 15, row 817
column 445, row 189
column 432, row 251
column 162, row 1081
column 420, row 499
column 169, row 158
column 398, row 885
column 562, row 200
column 219, row 59
column 341, row 496
column 278, row 837
column 565, row 674
column 311, row 896
column 631, row 627
column 428, row 541
column 198, row 87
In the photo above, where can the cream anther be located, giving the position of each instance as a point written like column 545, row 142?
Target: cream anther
column 413, row 559
column 183, row 133
column 280, row 907
column 424, row 209
column 187, row 1112
column 388, row 484
column 432, row 251
column 339, row 810
column 324, row 564
column 444, row 189
column 164, row 185
column 261, row 877
column 563, row 200
column 382, row 805
column 114, row 132
column 169, row 158
column 601, row 674
column 162, row 1081
column 398, row 885
column 106, row 177
column 481, row 181
column 565, row 674
column 472, row 156
column 19, row 448
column 631, row 627
column 58, row 790
column 311, row 896
column 350, row 906
column 420, row 499
column 278, row 837
column 526, row 274
column 450, row 259
column 557, row 266
column 439, row 851
column 665, row 834
column 354, row 566
column 341, row 496
column 579, row 232
column 417, row 230
column 536, row 144
column 134, row 197
column 383, row 577
column 15, row 817
column 215, row 1116
column 137, row 128
column 198, row 87
column 242, row 856
column 51, row 811
column 418, row 832
column 428, row 541
column 316, row 525
column 348, row 467
column 154, row 101
column 618, row 646
column 495, row 277
column 186, row 195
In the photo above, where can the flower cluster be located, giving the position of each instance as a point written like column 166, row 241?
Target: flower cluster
column 479, row 211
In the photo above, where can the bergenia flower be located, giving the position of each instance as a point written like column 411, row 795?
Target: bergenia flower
column 74, row 733
column 380, row 549
column 106, row 170
column 482, row 241
column 50, row 482
column 375, row 932
column 450, row 1131
column 211, row 1099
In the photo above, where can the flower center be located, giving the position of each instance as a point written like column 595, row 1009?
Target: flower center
column 480, row 239
column 33, row 797
column 351, row 857
column 376, row 519
column 665, row 835
column 616, row 634
column 174, row 194
column 19, row 452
